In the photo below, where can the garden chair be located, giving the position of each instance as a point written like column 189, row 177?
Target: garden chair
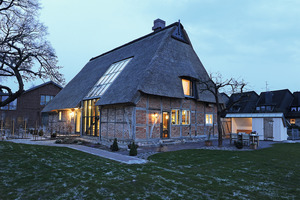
column 246, row 139
column 233, row 137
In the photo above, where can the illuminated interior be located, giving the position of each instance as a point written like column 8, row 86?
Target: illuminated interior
column 292, row 121
column 185, row 117
column 209, row 119
column 175, row 117
column 90, row 118
column 165, row 125
column 187, row 87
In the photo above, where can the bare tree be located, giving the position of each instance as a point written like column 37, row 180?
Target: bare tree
column 25, row 53
column 215, row 84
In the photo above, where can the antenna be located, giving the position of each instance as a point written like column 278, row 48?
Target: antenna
column 267, row 86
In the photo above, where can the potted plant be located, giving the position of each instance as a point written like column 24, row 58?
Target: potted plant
column 253, row 145
column 238, row 144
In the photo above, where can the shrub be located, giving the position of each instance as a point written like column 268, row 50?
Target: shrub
column 238, row 144
column 114, row 146
column 58, row 141
column 41, row 132
column 129, row 146
column 53, row 135
column 133, row 149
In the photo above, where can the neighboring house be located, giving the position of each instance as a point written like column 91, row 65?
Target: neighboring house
column 27, row 108
column 293, row 115
column 265, row 114
column 143, row 91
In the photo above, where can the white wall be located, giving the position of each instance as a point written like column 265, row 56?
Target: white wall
column 279, row 131
column 258, row 126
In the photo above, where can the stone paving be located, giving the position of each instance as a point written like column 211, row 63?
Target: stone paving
column 143, row 151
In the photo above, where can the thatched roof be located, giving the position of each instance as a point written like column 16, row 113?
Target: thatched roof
column 159, row 61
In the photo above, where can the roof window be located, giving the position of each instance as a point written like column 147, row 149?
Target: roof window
column 108, row 78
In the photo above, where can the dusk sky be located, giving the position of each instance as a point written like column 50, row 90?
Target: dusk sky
column 254, row 40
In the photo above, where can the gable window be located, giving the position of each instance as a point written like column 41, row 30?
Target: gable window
column 175, row 117
column 108, row 78
column 45, row 99
column 11, row 106
column 292, row 121
column 187, row 87
column 185, row 117
column 208, row 119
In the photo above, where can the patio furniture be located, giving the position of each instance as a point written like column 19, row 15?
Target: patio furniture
column 246, row 139
column 233, row 137
column 254, row 138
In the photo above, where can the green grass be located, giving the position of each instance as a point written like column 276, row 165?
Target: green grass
column 41, row 172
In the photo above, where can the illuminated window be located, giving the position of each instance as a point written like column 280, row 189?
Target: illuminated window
column 208, row 119
column 175, row 117
column 187, row 87
column 185, row 117
column 11, row 106
column 59, row 116
column 45, row 99
column 292, row 121
column 108, row 78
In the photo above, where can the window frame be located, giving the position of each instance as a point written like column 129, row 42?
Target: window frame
column 11, row 105
column 207, row 119
column 46, row 99
column 191, row 87
column 187, row 119
column 176, row 116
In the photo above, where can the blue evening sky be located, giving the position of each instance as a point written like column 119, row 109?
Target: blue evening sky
column 254, row 40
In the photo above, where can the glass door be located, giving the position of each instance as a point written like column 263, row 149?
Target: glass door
column 166, row 125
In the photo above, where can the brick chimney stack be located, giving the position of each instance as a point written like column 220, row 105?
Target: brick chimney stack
column 158, row 24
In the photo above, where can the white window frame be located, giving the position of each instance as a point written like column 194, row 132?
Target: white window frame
column 188, row 119
column 207, row 119
column 177, row 116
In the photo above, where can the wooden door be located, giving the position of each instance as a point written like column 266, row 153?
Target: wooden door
column 268, row 128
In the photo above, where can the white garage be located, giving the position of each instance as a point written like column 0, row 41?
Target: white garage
column 269, row 126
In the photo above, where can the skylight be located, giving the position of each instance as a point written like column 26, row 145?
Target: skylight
column 108, row 78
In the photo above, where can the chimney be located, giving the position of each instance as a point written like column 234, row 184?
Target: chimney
column 158, row 24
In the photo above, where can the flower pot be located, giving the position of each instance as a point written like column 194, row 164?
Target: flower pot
column 208, row 143
column 253, row 146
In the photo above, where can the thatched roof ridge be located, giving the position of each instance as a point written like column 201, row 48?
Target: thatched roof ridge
column 159, row 60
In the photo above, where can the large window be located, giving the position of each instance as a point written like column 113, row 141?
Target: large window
column 185, row 117
column 187, row 87
column 208, row 119
column 175, row 117
column 90, row 118
column 45, row 99
column 108, row 78
column 11, row 106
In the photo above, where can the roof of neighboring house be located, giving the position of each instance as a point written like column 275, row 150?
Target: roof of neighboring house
column 159, row 61
column 36, row 87
column 280, row 99
column 295, row 103
column 242, row 102
column 43, row 84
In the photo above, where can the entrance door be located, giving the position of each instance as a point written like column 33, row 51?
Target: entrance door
column 166, row 125
column 268, row 128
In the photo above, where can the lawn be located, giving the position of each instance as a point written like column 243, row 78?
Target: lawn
column 41, row 172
